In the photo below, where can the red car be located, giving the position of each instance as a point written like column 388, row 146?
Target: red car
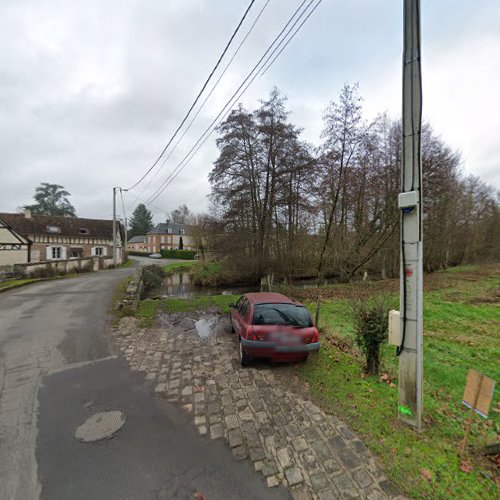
column 270, row 325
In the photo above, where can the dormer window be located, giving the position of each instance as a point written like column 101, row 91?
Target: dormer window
column 53, row 229
column 182, row 231
column 169, row 231
column 84, row 230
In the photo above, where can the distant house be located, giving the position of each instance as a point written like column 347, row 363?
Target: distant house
column 137, row 244
column 46, row 238
column 170, row 236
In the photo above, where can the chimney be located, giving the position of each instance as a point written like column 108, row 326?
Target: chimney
column 27, row 213
column 168, row 222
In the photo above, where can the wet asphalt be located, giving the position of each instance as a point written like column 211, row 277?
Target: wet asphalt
column 57, row 334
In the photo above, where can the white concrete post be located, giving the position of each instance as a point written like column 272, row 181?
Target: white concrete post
column 410, row 202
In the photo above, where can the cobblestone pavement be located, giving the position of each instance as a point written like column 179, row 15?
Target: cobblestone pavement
column 290, row 440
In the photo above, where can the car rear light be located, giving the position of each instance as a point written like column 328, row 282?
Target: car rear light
column 315, row 337
column 251, row 334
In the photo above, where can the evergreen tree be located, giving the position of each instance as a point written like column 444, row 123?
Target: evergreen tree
column 52, row 199
column 141, row 221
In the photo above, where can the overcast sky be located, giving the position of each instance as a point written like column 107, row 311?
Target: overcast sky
column 90, row 91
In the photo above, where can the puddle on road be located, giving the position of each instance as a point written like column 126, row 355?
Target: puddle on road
column 205, row 326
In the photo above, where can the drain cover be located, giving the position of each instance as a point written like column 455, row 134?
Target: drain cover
column 103, row 425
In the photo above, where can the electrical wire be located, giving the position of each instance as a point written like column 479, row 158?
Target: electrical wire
column 290, row 39
column 415, row 133
column 197, row 97
column 206, row 98
column 210, row 129
column 228, row 103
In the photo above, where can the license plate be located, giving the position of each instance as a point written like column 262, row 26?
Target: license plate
column 285, row 338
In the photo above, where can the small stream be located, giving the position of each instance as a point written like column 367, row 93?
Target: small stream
column 179, row 285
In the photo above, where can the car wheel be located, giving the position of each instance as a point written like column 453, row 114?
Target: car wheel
column 245, row 359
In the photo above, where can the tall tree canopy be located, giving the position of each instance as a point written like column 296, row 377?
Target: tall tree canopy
column 141, row 221
column 281, row 206
column 52, row 199
column 181, row 215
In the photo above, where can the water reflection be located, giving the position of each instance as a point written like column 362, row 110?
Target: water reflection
column 179, row 285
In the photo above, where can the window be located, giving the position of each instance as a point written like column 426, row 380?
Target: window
column 182, row 231
column 238, row 304
column 244, row 309
column 282, row 314
column 84, row 230
column 75, row 253
column 56, row 252
column 53, row 229
column 98, row 251
column 169, row 230
column 163, row 239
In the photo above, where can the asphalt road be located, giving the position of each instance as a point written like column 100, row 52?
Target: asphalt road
column 56, row 369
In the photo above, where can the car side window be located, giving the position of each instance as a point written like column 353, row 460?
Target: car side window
column 244, row 309
column 237, row 306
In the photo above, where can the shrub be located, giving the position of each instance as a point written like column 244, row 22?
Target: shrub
column 178, row 254
column 138, row 254
column 152, row 277
column 371, row 330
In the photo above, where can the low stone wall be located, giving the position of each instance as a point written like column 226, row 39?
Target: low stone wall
column 61, row 267
column 133, row 292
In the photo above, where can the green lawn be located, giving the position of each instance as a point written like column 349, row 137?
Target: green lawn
column 461, row 331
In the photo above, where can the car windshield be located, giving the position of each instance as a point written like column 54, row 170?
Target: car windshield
column 282, row 314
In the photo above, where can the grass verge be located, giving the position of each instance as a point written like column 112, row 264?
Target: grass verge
column 180, row 266
column 8, row 285
column 461, row 322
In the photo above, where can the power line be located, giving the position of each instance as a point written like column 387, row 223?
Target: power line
column 206, row 98
column 290, row 39
column 187, row 158
column 230, row 101
column 198, row 96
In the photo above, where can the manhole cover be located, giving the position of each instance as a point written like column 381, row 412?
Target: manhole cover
column 103, row 425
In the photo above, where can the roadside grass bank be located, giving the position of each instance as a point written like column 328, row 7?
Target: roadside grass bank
column 180, row 266
column 461, row 325
column 16, row 283
column 200, row 273
column 208, row 274
column 9, row 284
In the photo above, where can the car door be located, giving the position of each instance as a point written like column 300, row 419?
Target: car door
column 243, row 318
column 235, row 311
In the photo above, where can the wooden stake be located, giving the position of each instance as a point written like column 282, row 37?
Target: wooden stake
column 318, row 310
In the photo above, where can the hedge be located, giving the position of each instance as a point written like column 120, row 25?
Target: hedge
column 137, row 254
column 178, row 254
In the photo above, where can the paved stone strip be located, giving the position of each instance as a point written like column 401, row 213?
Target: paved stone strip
column 289, row 439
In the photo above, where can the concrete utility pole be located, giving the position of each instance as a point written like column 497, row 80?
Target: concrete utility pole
column 410, row 351
column 114, row 226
